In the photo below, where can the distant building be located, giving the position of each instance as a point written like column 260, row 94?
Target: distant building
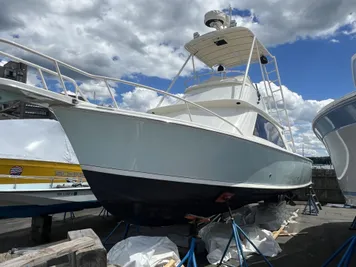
column 321, row 160
column 23, row 110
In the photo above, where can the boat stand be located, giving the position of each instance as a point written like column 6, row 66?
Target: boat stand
column 313, row 205
column 190, row 256
column 346, row 258
column 353, row 225
column 72, row 216
column 236, row 233
column 125, row 233
column 104, row 213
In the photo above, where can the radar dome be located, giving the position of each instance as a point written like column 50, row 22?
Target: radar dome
column 216, row 19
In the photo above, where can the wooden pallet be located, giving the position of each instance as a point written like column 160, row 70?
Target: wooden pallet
column 83, row 248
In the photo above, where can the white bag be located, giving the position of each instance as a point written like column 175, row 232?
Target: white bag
column 143, row 251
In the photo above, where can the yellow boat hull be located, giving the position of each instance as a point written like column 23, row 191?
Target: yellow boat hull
column 38, row 171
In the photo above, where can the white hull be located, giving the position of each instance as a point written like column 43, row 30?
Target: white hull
column 335, row 125
column 160, row 148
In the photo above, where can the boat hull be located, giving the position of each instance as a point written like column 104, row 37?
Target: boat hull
column 151, row 170
column 35, row 202
column 43, row 171
column 335, row 126
column 157, row 202
column 35, row 187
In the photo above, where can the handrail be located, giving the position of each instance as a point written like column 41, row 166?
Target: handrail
column 40, row 69
column 104, row 79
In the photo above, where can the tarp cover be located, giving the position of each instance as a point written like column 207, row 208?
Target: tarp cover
column 35, row 139
column 144, row 251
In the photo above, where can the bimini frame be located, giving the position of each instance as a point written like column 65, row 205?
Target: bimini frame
column 235, row 47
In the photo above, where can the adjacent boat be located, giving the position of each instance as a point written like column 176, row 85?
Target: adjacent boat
column 153, row 168
column 39, row 171
column 335, row 126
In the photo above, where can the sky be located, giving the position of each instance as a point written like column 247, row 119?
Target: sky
column 143, row 41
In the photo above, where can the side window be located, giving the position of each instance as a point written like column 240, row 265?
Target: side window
column 266, row 130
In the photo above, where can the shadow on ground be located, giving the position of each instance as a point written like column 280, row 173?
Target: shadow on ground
column 313, row 248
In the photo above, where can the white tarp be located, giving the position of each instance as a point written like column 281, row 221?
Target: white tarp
column 266, row 216
column 257, row 221
column 216, row 237
column 35, row 139
column 143, row 251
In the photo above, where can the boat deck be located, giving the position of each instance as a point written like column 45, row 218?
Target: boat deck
column 323, row 235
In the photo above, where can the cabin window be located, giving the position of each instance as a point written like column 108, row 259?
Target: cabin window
column 266, row 130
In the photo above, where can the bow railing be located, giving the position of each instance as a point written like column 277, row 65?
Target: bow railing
column 106, row 80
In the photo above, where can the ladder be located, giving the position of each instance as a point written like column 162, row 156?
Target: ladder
column 274, row 99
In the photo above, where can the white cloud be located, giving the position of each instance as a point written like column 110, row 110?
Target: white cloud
column 33, row 78
column 97, row 90
column 116, row 37
column 3, row 62
column 334, row 41
column 141, row 99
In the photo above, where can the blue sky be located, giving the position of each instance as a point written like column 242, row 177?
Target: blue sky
column 317, row 69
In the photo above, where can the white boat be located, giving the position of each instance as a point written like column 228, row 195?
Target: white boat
column 152, row 168
column 335, row 126
column 39, row 171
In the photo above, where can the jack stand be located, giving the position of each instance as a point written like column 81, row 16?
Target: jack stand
column 353, row 225
column 190, row 256
column 72, row 216
column 125, row 233
column 313, row 204
column 346, row 258
column 104, row 213
column 236, row 231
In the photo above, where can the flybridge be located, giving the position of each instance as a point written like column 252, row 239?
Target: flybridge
column 230, row 46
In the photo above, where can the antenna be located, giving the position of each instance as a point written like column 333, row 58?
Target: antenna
column 230, row 9
column 353, row 68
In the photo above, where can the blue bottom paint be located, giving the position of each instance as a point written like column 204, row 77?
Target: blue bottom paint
column 34, row 210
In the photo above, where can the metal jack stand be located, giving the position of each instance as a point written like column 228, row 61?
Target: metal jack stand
column 72, row 216
column 313, row 203
column 190, row 256
column 353, row 225
column 346, row 258
column 104, row 213
column 236, row 231
column 125, row 233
